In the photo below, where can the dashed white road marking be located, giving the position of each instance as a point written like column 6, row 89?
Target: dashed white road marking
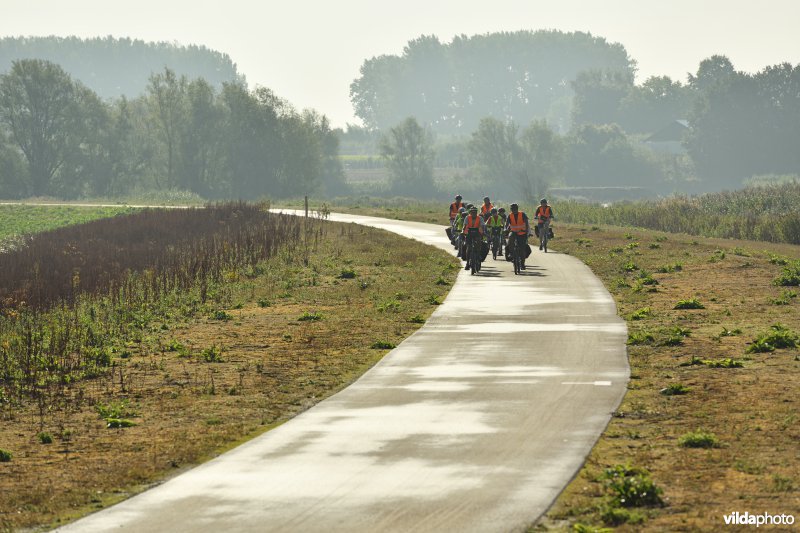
column 595, row 383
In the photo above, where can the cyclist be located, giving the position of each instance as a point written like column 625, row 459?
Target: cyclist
column 504, row 216
column 458, row 226
column 494, row 227
column 473, row 232
column 455, row 207
column 486, row 208
column 544, row 214
column 517, row 228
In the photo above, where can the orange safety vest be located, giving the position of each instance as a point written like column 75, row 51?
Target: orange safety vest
column 516, row 224
column 543, row 214
column 471, row 223
column 454, row 208
column 485, row 209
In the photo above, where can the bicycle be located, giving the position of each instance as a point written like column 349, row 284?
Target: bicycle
column 496, row 240
column 543, row 232
column 516, row 251
column 474, row 252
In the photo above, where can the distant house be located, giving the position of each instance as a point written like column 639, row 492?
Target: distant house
column 669, row 139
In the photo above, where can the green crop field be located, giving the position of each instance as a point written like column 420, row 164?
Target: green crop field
column 16, row 220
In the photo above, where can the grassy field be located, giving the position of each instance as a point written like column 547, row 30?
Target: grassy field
column 710, row 423
column 194, row 378
column 764, row 213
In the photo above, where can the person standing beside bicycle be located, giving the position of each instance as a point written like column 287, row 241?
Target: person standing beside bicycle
column 518, row 228
column 544, row 214
column 473, row 232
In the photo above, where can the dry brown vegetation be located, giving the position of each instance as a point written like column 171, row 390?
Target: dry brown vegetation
column 269, row 342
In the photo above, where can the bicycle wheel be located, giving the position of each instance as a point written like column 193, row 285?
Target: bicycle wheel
column 473, row 258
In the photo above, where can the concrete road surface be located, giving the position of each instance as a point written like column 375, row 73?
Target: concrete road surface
column 474, row 423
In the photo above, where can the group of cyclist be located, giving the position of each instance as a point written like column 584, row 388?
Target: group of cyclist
column 487, row 227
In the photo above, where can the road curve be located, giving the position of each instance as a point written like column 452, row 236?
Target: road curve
column 476, row 422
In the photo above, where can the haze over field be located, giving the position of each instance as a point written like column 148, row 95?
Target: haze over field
column 310, row 51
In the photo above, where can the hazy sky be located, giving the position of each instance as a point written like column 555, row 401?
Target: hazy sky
column 310, row 51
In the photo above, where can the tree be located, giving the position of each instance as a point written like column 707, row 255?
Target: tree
column 408, row 150
column 743, row 124
column 497, row 152
column 602, row 156
column 654, row 104
column 252, row 144
column 514, row 163
column 543, row 154
column 332, row 174
column 200, row 142
column 87, row 165
column 167, row 97
column 714, row 70
column 113, row 67
column 510, row 76
column 40, row 107
column 598, row 95
column 12, row 173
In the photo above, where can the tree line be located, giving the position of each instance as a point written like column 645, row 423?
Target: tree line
column 510, row 76
column 737, row 125
column 113, row 67
column 59, row 138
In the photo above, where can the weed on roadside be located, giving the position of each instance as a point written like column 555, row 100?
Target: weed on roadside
column 699, row 439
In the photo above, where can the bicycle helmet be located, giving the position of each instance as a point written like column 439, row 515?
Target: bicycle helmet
column 514, row 207
column 462, row 210
column 473, row 209
column 501, row 210
column 485, row 198
column 458, row 197
column 494, row 210
column 543, row 201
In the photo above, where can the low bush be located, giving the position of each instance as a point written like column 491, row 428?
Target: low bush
column 347, row 273
column 116, row 423
column 779, row 336
column 310, row 317
column 790, row 275
column 723, row 363
column 641, row 314
column 699, row 439
column 692, row 303
column 641, row 337
column 632, row 487
column 382, row 345
column 675, row 389
column 617, row 516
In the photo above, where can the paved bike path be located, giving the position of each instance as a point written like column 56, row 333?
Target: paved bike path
column 474, row 423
